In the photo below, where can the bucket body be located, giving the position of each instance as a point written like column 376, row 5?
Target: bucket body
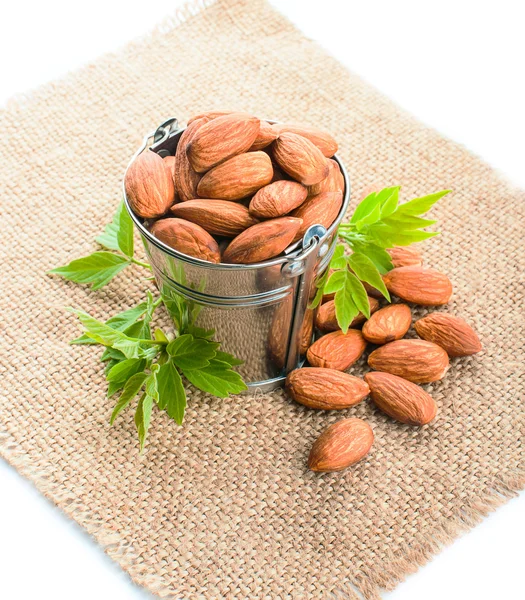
column 259, row 312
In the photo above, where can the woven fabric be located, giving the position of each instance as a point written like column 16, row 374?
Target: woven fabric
column 224, row 506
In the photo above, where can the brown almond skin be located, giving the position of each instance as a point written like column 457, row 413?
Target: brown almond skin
column 420, row 285
column 220, row 139
column 186, row 178
column 405, row 256
column 341, row 445
column 218, row 217
column 453, row 334
column 170, row 161
column 416, row 360
column 188, row 238
column 307, row 330
column 149, row 185
column 237, row 178
column 337, row 350
column 388, row 324
column 262, row 241
column 277, row 199
column 301, row 159
column 267, row 134
column 325, row 389
column 326, row 320
column 334, row 182
column 401, row 399
column 318, row 210
column 320, row 138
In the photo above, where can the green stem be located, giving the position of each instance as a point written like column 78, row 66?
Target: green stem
column 140, row 263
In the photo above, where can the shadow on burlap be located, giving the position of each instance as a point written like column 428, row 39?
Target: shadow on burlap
column 224, row 506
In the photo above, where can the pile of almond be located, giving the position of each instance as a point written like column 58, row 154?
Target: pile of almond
column 239, row 189
column 398, row 364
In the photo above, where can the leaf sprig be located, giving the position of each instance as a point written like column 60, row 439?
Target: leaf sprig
column 379, row 222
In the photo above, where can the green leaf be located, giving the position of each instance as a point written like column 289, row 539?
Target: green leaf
column 130, row 348
column 131, row 389
column 190, row 353
column 365, row 207
column 111, row 353
column 365, row 269
column 379, row 256
column 359, row 295
column 98, row 331
column 151, row 383
column 118, row 235
column 419, row 206
column 227, row 358
column 97, row 269
column 335, row 282
column 139, row 330
column 160, row 336
column 407, row 222
column 372, row 217
column 123, row 370
column 200, row 332
column 389, row 205
column 394, row 237
column 114, row 387
column 320, row 285
column 216, row 378
column 143, row 418
column 345, row 308
column 172, row 396
column 338, row 259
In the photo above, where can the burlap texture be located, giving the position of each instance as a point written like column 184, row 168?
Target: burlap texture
column 224, row 506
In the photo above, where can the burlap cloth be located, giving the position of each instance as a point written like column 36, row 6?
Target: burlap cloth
column 224, row 506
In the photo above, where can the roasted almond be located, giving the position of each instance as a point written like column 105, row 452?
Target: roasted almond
column 388, row 324
column 318, row 210
column 188, row 238
column 341, row 445
column 327, row 321
column 298, row 157
column 267, row 134
column 186, row 178
column 238, row 177
column 170, row 161
column 218, row 217
column 416, row 360
column 320, row 138
column 337, row 350
column 401, row 399
column 149, row 185
column 325, row 389
column 334, row 182
column 220, row 139
column 262, row 241
column 405, row 256
column 277, row 199
column 419, row 285
column 453, row 334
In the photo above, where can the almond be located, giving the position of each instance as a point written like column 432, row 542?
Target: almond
column 401, row 399
column 267, row 134
column 325, row 389
column 322, row 209
column 419, row 285
column 416, row 360
column 334, row 182
column 170, row 162
column 337, row 350
column 388, row 324
column 277, row 199
column 455, row 336
column 238, row 177
column 262, row 241
column 149, row 186
column 405, row 256
column 320, row 138
column 188, row 238
column 298, row 157
column 220, row 139
column 186, row 178
column 307, row 330
column 326, row 320
column 218, row 217
column 341, row 445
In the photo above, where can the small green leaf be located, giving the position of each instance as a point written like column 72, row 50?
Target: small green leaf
column 131, row 389
column 123, row 370
column 124, row 319
column 200, row 332
column 419, row 206
column 97, row 269
column 114, row 387
column 111, row 353
column 227, row 358
column 407, row 222
column 172, row 396
column 389, row 205
column 130, row 348
column 359, row 295
column 151, row 383
column 365, row 269
column 190, row 353
column 345, row 308
column 216, row 378
column 338, row 259
column 98, row 331
column 335, row 282
column 372, row 217
column 118, row 235
column 365, row 207
column 143, row 418
column 160, row 336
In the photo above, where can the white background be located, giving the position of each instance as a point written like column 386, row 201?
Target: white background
column 457, row 65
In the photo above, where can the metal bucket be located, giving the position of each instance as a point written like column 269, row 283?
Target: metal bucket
column 257, row 311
